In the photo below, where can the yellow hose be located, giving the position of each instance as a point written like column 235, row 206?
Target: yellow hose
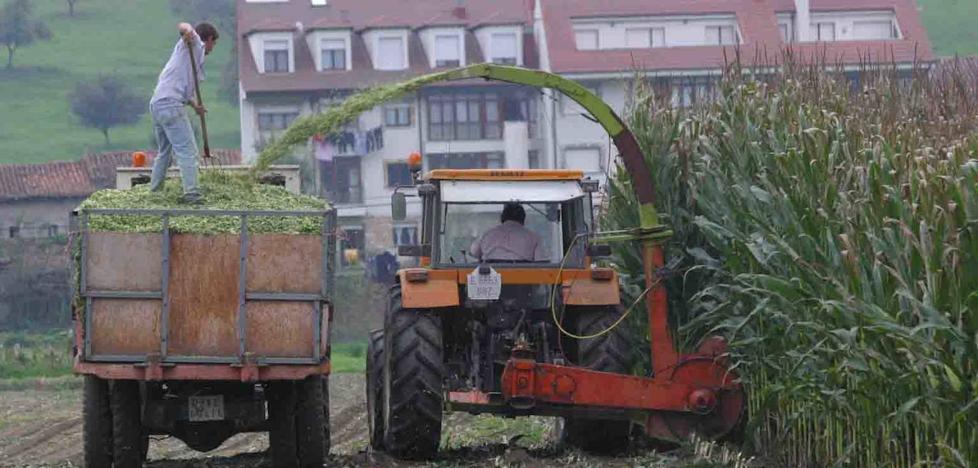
column 553, row 296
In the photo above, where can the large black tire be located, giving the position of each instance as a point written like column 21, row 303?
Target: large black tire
column 310, row 429
column 327, row 441
column 97, row 425
column 281, row 432
column 413, row 381
column 375, row 385
column 610, row 352
column 127, row 429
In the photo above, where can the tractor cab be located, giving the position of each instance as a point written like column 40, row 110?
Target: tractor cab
column 461, row 209
column 461, row 206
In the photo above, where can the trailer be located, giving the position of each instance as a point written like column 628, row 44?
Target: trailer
column 203, row 336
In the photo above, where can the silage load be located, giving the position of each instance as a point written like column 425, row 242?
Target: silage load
column 221, row 191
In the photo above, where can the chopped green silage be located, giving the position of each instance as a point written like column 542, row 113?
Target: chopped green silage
column 221, row 191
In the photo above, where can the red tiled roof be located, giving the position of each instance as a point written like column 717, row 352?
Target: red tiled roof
column 361, row 15
column 758, row 26
column 74, row 179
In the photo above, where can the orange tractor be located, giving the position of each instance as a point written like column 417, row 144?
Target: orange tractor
column 467, row 332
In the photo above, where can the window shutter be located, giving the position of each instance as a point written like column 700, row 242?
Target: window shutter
column 504, row 47
column 390, row 53
column 447, row 48
column 638, row 38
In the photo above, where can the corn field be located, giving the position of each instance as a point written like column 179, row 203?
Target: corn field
column 829, row 230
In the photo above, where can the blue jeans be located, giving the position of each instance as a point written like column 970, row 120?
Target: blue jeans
column 174, row 136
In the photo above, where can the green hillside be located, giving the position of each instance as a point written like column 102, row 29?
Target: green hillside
column 951, row 25
column 132, row 38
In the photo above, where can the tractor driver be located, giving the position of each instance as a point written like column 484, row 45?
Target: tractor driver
column 510, row 240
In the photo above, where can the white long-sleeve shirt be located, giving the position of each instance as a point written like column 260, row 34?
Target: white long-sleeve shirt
column 176, row 83
column 509, row 241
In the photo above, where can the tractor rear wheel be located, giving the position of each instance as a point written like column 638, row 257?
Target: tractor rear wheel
column 375, row 386
column 97, row 425
column 610, row 352
column 413, row 374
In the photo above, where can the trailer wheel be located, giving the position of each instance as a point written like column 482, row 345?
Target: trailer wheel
column 281, row 416
column 610, row 352
column 375, row 385
column 127, row 429
column 310, row 427
column 413, row 374
column 97, row 425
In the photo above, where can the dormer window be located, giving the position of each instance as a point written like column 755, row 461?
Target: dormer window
column 391, row 53
column 824, row 31
column 504, row 49
column 721, row 35
column 587, row 39
column 448, row 50
column 874, row 30
column 333, row 53
column 642, row 38
column 277, row 56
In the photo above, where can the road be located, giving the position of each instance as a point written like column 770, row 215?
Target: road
column 43, row 429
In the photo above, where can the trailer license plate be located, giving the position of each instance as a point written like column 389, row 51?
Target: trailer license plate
column 485, row 287
column 206, row 408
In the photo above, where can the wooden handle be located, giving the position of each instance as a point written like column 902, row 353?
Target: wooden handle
column 200, row 100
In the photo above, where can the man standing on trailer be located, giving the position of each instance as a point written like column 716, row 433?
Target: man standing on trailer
column 171, row 125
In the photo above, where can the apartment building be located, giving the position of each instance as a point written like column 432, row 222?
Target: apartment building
column 300, row 57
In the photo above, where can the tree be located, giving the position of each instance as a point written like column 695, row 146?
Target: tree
column 18, row 28
column 71, row 7
column 106, row 103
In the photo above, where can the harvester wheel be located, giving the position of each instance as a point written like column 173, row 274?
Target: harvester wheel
column 311, row 429
column 127, row 430
column 375, row 386
column 281, row 416
column 97, row 426
column 413, row 373
column 610, row 352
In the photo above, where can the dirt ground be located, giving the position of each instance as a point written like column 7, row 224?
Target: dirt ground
column 43, row 429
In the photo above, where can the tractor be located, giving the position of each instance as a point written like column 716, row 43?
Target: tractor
column 541, row 336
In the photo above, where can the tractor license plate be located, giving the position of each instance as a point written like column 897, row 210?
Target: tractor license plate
column 206, row 408
column 485, row 287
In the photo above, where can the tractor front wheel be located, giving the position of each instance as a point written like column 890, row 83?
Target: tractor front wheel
column 413, row 374
column 610, row 352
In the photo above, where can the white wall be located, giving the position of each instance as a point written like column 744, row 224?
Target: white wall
column 575, row 132
column 845, row 21
column 679, row 30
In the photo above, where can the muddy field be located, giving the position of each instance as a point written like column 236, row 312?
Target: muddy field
column 42, row 428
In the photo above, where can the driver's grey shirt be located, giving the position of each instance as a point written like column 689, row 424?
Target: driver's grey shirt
column 509, row 241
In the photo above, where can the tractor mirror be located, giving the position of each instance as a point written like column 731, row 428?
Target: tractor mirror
column 599, row 250
column 399, row 207
column 414, row 251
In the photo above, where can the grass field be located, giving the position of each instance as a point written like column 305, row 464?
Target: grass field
column 951, row 25
column 131, row 38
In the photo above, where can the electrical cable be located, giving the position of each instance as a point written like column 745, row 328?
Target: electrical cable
column 553, row 295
